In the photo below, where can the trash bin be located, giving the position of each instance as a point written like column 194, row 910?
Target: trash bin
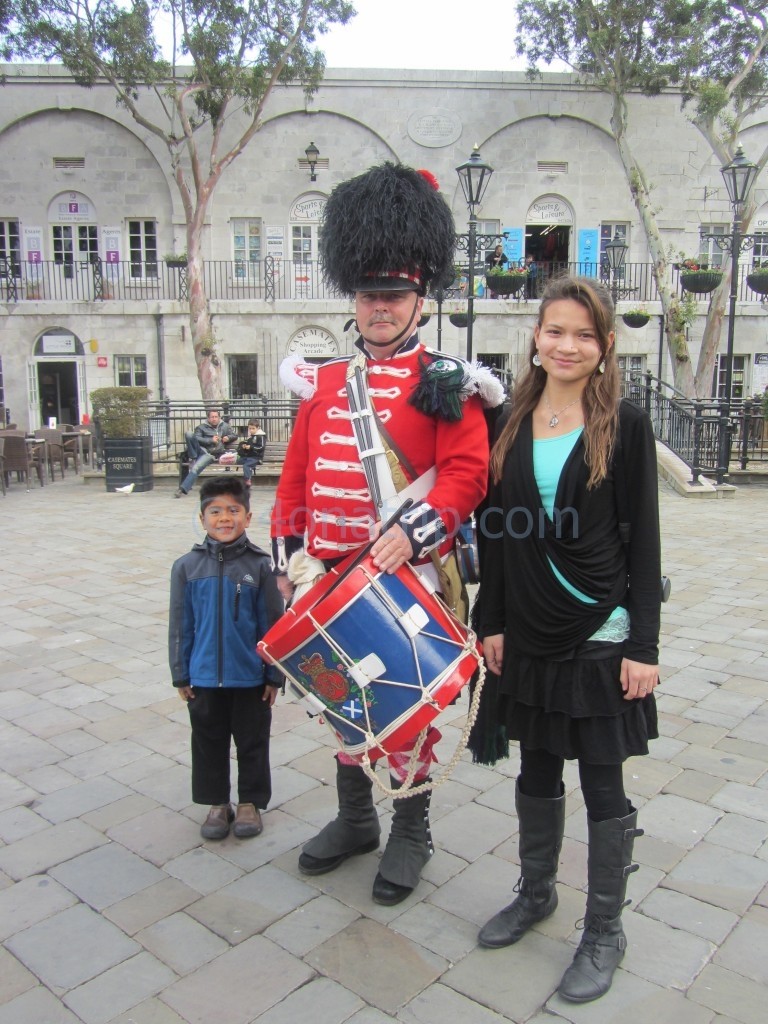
column 128, row 460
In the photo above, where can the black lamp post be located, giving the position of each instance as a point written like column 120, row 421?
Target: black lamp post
column 474, row 176
column 615, row 254
column 312, row 153
column 739, row 176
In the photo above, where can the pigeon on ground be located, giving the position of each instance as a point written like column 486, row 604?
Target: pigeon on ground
column 125, row 490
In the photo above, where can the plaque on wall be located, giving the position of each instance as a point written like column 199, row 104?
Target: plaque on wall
column 434, row 128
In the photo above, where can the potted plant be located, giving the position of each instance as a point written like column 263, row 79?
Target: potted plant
column 177, row 260
column 506, row 280
column 460, row 318
column 696, row 276
column 636, row 316
column 122, row 436
column 757, row 278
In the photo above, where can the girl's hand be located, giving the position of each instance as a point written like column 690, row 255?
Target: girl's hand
column 493, row 650
column 637, row 679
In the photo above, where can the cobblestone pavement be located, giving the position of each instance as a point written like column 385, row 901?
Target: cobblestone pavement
column 113, row 909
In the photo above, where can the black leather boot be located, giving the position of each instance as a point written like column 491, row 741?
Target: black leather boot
column 542, row 823
column 603, row 942
column 408, row 849
column 355, row 829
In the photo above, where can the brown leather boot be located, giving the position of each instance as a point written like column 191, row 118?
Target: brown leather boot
column 216, row 825
column 247, row 821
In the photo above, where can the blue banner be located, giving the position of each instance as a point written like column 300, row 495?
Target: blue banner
column 589, row 252
column 514, row 245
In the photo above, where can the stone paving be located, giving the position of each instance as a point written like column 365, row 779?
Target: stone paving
column 112, row 909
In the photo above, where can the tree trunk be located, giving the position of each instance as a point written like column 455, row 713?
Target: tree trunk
column 203, row 339
column 670, row 302
column 710, row 342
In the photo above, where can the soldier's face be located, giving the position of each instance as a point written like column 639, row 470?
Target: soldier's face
column 387, row 319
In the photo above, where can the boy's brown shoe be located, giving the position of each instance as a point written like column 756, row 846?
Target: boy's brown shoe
column 248, row 821
column 216, row 825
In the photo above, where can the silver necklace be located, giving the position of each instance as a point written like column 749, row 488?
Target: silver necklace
column 554, row 421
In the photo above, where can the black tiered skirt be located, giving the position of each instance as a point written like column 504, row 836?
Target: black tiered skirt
column 575, row 708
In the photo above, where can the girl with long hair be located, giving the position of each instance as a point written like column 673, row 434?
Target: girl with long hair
column 570, row 609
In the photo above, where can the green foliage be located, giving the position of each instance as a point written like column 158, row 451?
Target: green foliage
column 120, row 412
column 507, row 272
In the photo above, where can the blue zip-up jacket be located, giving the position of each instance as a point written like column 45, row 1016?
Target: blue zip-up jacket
column 224, row 598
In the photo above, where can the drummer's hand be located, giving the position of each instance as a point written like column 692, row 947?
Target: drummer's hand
column 392, row 549
column 285, row 587
column 493, row 649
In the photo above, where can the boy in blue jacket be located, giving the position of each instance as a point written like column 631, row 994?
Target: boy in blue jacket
column 224, row 598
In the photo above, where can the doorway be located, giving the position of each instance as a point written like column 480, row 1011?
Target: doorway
column 57, row 388
column 548, row 243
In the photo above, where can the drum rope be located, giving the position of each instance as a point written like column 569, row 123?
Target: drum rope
column 408, row 789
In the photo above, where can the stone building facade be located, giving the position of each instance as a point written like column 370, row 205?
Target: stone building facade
column 88, row 209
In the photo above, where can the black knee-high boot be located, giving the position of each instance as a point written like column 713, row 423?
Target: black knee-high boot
column 355, row 829
column 542, row 823
column 603, row 942
column 408, row 849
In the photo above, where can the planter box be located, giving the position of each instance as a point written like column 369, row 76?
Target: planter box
column 701, row 281
column 758, row 283
column 635, row 319
column 501, row 285
column 176, row 264
column 128, row 460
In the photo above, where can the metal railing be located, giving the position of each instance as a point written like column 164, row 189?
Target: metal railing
column 707, row 434
column 168, row 421
column 267, row 280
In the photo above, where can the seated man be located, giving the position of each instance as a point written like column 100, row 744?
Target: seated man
column 204, row 446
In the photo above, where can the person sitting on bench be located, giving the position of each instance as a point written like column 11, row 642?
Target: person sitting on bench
column 250, row 451
column 208, row 441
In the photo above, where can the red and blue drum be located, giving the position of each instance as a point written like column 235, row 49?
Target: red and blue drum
column 379, row 656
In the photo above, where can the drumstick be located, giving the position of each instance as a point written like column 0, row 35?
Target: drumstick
column 365, row 551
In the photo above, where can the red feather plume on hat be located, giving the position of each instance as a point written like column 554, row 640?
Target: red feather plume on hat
column 429, row 176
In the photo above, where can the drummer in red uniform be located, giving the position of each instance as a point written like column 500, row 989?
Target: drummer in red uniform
column 387, row 235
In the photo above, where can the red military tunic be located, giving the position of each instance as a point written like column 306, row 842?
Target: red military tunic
column 323, row 490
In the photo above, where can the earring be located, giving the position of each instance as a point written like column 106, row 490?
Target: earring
column 536, row 359
column 601, row 367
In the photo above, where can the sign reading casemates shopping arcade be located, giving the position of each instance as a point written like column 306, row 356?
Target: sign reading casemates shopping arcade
column 313, row 343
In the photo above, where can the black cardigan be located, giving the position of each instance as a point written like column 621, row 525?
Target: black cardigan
column 521, row 597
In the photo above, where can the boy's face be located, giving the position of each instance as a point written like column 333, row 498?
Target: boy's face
column 225, row 519
column 252, row 428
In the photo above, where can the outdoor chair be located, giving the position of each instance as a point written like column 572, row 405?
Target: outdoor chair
column 71, row 450
column 56, row 451
column 19, row 458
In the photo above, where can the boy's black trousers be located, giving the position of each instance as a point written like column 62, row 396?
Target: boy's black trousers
column 219, row 716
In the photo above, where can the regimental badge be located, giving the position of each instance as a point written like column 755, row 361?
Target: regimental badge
column 334, row 687
column 329, row 683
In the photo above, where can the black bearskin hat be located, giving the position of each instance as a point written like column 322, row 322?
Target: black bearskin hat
column 387, row 230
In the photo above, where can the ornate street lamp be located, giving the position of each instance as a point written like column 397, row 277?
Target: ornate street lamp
column 739, row 176
column 474, row 176
column 312, row 153
column 616, row 254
